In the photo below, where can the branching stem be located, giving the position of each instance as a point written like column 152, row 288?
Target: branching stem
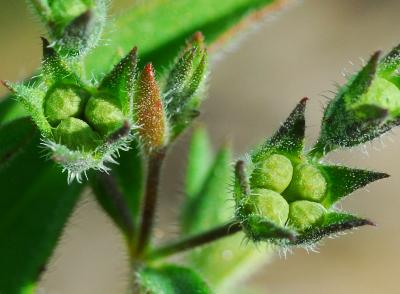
column 155, row 161
column 200, row 239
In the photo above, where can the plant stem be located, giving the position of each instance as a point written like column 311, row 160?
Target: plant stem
column 200, row 239
column 155, row 161
column 109, row 185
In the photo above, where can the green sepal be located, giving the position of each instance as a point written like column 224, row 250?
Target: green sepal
column 333, row 223
column 171, row 279
column 258, row 228
column 344, row 180
column 389, row 64
column 289, row 139
column 54, row 69
column 32, row 98
column 120, row 82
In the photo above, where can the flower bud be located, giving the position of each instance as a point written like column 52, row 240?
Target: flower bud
column 308, row 183
column 304, row 214
column 270, row 205
column 103, row 115
column 63, row 11
column 76, row 134
column 62, row 103
column 274, row 173
column 150, row 112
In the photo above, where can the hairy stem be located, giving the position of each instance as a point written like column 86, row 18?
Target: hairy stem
column 109, row 184
column 155, row 161
column 200, row 239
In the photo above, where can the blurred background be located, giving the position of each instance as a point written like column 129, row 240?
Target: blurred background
column 301, row 52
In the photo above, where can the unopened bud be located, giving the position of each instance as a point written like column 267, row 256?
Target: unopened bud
column 274, row 173
column 104, row 115
column 62, row 103
column 304, row 214
column 76, row 134
column 270, row 205
column 308, row 183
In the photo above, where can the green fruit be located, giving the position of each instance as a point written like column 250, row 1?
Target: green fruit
column 308, row 183
column 274, row 173
column 76, row 134
column 62, row 103
column 270, row 205
column 303, row 214
column 103, row 115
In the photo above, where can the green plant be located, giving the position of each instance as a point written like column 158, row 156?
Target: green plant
column 89, row 104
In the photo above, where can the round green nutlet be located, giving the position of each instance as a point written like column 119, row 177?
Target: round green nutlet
column 308, row 183
column 104, row 116
column 303, row 214
column 271, row 205
column 62, row 103
column 76, row 134
column 274, row 173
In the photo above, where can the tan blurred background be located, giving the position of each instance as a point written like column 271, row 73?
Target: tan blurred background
column 253, row 88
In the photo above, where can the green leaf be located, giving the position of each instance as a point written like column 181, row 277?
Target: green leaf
column 14, row 137
column 199, row 162
column 289, row 139
column 218, row 20
column 35, row 204
column 171, row 279
column 333, row 223
column 124, row 187
column 10, row 110
column 210, row 201
column 344, row 180
column 208, row 207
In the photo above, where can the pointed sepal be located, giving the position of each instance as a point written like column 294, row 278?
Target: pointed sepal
column 54, row 69
column 258, row 229
column 343, row 180
column 289, row 139
column 333, row 223
column 120, row 82
column 32, row 99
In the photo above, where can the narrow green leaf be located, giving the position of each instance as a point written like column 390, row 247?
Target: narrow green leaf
column 171, row 279
column 208, row 207
column 289, row 139
column 35, row 204
column 218, row 20
column 199, row 161
column 209, row 203
column 334, row 222
column 120, row 195
column 344, row 180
